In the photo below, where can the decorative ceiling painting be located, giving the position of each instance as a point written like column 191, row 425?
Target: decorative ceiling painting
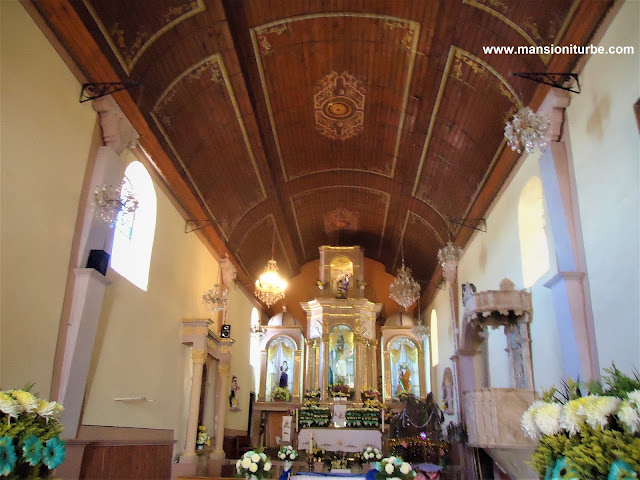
column 338, row 104
column 376, row 123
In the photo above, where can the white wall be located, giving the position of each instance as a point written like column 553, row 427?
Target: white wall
column 46, row 135
column 605, row 147
column 606, row 154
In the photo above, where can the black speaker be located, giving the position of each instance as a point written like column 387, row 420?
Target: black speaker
column 98, row 260
column 225, row 331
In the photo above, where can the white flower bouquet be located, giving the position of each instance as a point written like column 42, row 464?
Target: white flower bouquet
column 587, row 431
column 371, row 454
column 287, row 454
column 254, row 465
column 394, row 468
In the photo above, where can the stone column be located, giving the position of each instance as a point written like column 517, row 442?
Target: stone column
column 359, row 370
column 307, row 363
column 373, row 350
column 386, row 379
column 324, row 351
column 263, row 377
column 570, row 287
column 316, row 365
column 197, row 359
column 422, row 373
column 221, row 408
column 296, row 375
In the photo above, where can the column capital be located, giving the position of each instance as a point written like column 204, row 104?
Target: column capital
column 198, row 356
column 554, row 106
column 224, row 369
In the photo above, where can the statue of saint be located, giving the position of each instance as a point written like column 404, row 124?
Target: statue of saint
column 404, row 379
column 284, row 375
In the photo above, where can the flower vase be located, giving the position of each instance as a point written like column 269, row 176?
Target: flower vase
column 287, row 465
column 372, row 465
column 250, row 476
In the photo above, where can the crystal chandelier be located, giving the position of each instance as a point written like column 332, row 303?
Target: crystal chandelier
column 449, row 257
column 110, row 200
column 257, row 331
column 270, row 286
column 215, row 300
column 529, row 130
column 420, row 331
column 404, row 290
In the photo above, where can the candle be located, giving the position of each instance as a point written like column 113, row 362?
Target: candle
column 310, row 451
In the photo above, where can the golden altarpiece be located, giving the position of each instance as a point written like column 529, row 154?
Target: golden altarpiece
column 337, row 353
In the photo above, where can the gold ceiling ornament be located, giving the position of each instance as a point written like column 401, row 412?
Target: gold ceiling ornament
column 338, row 103
column 270, row 286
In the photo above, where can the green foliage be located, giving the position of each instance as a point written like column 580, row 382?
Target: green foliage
column 590, row 453
column 618, row 383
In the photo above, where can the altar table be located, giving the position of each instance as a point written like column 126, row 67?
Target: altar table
column 327, row 476
column 340, row 439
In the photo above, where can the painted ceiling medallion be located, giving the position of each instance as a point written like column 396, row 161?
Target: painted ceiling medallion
column 341, row 219
column 338, row 103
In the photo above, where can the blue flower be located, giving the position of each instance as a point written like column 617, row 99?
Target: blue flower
column 621, row 470
column 32, row 450
column 54, row 452
column 562, row 471
column 7, row 456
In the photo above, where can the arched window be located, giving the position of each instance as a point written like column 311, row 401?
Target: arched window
column 434, row 338
column 133, row 235
column 254, row 351
column 534, row 250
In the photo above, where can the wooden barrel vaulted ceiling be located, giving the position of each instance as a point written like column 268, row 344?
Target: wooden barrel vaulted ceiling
column 333, row 122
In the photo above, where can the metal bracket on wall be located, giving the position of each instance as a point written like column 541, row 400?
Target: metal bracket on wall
column 479, row 224
column 91, row 91
column 193, row 225
column 557, row 80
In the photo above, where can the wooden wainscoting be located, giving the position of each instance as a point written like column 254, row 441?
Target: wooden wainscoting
column 119, row 461
column 118, row 453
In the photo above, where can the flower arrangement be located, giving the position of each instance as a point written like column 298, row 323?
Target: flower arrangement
column 280, row 394
column 394, row 467
column 287, row 454
column 203, row 438
column 314, row 416
column 371, row 454
column 588, row 430
column 254, row 464
column 312, row 398
column 30, row 446
column 339, row 390
column 363, row 418
column 370, row 394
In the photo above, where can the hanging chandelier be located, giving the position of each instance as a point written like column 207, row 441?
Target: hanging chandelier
column 449, row 257
column 215, row 300
column 110, row 200
column 257, row 331
column 528, row 130
column 270, row 286
column 404, row 290
column 420, row 330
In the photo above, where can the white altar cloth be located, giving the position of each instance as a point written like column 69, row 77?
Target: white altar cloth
column 340, row 439
column 326, row 476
